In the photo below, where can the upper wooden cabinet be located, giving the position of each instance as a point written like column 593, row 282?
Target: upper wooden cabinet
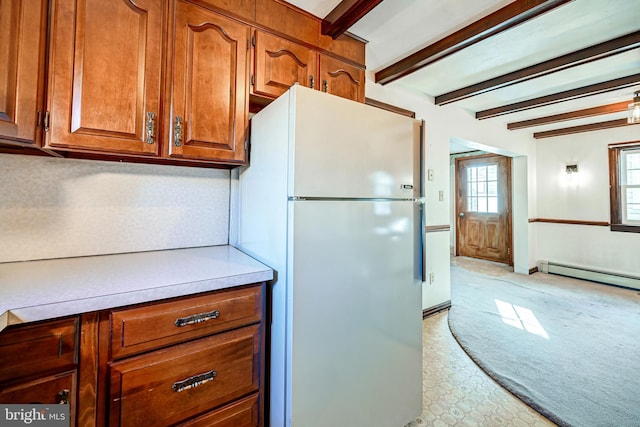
column 208, row 88
column 279, row 64
column 342, row 79
column 160, row 81
column 22, row 48
column 104, row 76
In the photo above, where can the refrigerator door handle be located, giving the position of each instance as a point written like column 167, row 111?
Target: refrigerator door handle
column 421, row 267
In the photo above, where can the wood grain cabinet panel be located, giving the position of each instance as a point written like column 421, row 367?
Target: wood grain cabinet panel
column 53, row 389
column 105, row 75
column 38, row 363
column 38, row 349
column 149, row 327
column 209, row 86
column 22, row 48
column 245, row 9
column 279, row 64
column 243, row 413
column 176, row 383
column 283, row 18
column 341, row 79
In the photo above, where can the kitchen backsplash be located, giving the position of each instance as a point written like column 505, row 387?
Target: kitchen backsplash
column 57, row 208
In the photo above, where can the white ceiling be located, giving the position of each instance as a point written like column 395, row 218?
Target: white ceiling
column 397, row 28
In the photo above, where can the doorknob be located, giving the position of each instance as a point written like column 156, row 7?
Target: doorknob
column 461, row 214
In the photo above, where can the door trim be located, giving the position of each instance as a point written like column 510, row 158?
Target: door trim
column 509, row 203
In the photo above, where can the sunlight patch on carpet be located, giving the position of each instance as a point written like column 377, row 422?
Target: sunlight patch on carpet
column 520, row 317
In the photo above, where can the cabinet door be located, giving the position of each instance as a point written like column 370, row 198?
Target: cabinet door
column 342, row 79
column 167, row 386
column 104, row 76
column 242, row 413
column 22, row 47
column 209, row 102
column 53, row 389
column 279, row 63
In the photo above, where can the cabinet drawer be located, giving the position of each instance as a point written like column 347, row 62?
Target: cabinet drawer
column 34, row 349
column 243, row 413
column 145, row 328
column 54, row 389
column 174, row 384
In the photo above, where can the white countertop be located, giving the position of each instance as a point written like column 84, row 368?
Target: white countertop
column 46, row 289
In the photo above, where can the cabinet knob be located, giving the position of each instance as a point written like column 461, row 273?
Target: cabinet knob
column 177, row 132
column 63, row 397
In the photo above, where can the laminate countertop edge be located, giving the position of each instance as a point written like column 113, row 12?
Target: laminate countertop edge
column 32, row 291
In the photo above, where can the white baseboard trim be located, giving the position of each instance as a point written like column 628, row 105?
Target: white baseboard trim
column 585, row 273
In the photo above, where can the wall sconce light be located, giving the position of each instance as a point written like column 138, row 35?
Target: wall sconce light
column 571, row 169
column 634, row 109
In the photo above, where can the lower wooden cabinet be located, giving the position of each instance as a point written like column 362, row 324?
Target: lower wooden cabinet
column 242, row 413
column 52, row 389
column 171, row 385
column 193, row 361
column 38, row 364
column 197, row 360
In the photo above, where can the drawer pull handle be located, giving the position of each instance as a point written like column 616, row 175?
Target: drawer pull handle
column 177, row 132
column 197, row 318
column 195, row 381
column 151, row 127
column 63, row 397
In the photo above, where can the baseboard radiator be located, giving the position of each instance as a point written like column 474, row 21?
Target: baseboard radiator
column 579, row 272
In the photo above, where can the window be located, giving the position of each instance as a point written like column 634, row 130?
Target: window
column 482, row 189
column 624, row 176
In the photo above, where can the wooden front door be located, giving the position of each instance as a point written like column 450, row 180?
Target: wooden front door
column 483, row 208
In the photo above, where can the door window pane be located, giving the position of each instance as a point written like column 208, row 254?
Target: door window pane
column 482, row 188
column 492, row 188
column 492, row 204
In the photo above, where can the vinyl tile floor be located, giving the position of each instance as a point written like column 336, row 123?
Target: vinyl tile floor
column 456, row 392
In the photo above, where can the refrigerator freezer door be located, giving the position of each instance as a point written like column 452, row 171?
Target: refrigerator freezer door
column 344, row 149
column 355, row 342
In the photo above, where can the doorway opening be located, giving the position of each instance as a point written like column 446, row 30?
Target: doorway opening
column 483, row 208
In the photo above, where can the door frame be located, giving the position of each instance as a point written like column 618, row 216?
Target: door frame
column 509, row 202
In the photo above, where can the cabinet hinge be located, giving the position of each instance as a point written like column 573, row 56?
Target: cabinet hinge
column 46, row 121
column 252, row 80
column 253, row 40
column 508, row 251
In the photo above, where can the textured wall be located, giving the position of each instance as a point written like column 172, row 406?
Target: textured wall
column 583, row 197
column 54, row 208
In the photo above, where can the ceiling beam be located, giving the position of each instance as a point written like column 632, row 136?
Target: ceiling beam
column 566, row 95
column 580, row 57
column 572, row 115
column 344, row 15
column 583, row 128
column 509, row 16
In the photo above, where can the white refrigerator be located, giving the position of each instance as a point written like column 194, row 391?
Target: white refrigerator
column 332, row 202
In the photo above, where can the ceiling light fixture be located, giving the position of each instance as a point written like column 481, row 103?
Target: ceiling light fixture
column 634, row 109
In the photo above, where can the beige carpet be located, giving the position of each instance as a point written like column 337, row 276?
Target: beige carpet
column 567, row 347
